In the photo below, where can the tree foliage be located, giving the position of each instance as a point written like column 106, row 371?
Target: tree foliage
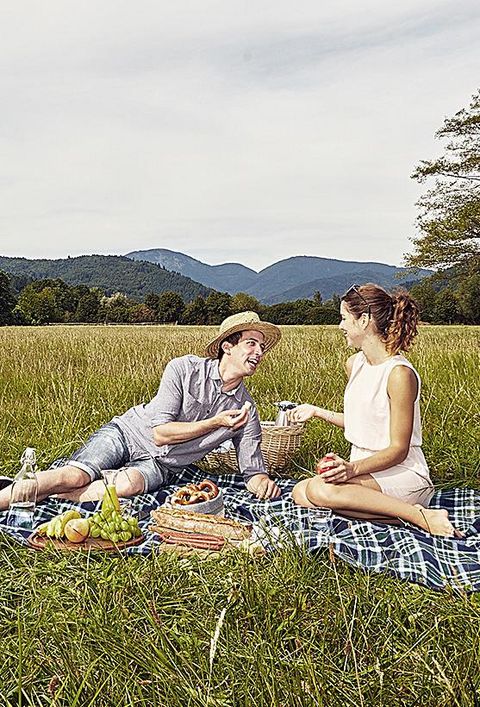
column 446, row 298
column 443, row 298
column 218, row 306
column 195, row 312
column 243, row 302
column 170, row 307
column 449, row 218
column 7, row 300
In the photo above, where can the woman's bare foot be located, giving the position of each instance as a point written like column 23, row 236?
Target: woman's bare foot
column 435, row 521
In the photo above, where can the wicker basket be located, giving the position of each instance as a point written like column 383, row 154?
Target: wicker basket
column 279, row 444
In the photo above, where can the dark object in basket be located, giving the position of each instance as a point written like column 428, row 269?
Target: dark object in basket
column 279, row 444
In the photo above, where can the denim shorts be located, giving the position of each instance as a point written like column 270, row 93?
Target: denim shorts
column 107, row 449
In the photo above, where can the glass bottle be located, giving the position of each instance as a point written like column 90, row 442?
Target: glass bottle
column 23, row 494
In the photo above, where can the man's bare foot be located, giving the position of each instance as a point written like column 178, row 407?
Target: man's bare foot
column 435, row 522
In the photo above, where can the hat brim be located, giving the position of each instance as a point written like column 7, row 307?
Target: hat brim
column 271, row 333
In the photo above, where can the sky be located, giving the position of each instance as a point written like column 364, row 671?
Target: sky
column 230, row 131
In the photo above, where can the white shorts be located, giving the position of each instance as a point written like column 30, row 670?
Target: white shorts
column 409, row 481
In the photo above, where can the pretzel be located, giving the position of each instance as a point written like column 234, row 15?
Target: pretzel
column 187, row 497
column 209, row 487
column 195, row 493
column 181, row 497
column 198, row 497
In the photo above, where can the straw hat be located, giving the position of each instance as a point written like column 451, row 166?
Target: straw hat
column 243, row 321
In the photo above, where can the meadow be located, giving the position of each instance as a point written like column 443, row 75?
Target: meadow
column 298, row 630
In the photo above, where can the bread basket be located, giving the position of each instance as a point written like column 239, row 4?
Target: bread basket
column 279, row 444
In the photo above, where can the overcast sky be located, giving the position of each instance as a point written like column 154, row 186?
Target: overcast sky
column 245, row 132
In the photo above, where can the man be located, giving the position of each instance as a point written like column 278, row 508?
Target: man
column 200, row 404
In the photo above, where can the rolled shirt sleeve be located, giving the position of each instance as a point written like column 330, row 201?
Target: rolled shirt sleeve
column 165, row 406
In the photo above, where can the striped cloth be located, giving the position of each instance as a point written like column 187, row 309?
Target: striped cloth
column 405, row 552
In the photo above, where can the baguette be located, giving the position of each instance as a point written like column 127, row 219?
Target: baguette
column 194, row 540
column 186, row 522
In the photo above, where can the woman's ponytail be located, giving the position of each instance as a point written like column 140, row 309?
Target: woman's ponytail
column 402, row 328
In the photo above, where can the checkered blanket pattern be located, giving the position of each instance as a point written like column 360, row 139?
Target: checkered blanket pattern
column 404, row 552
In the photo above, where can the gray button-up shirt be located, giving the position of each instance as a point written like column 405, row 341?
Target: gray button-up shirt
column 191, row 390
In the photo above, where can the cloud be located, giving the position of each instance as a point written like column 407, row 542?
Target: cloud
column 277, row 131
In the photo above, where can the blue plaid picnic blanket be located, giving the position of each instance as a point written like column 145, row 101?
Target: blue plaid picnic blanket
column 405, row 552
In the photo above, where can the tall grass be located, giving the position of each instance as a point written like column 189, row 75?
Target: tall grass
column 298, row 629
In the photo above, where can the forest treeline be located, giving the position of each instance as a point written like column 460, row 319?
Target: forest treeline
column 443, row 299
column 51, row 301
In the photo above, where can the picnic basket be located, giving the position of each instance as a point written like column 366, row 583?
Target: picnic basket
column 278, row 445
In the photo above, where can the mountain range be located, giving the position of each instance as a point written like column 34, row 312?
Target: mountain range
column 143, row 271
column 293, row 278
column 111, row 273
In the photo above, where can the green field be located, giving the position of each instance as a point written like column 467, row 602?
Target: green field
column 298, row 630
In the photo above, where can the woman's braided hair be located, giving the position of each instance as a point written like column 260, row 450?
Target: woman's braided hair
column 395, row 315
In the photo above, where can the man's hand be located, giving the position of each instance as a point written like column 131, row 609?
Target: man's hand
column 234, row 419
column 263, row 487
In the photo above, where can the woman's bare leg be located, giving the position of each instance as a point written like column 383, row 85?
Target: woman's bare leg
column 364, row 498
column 299, row 494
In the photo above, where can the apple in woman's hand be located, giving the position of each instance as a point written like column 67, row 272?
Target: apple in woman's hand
column 323, row 465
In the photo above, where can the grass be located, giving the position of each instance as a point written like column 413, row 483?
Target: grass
column 297, row 629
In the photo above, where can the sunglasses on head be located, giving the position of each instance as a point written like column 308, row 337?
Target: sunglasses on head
column 354, row 288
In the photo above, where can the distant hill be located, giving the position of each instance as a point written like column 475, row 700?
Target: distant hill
column 229, row 277
column 294, row 278
column 112, row 273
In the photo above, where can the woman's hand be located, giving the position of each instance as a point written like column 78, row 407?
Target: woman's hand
column 301, row 413
column 334, row 470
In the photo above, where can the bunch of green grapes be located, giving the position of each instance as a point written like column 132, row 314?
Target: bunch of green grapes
column 111, row 525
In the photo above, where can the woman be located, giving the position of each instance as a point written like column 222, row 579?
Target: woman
column 387, row 473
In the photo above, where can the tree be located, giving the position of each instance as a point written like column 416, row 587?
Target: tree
column 243, row 302
column 425, row 295
column 446, row 307
column 449, row 219
column 195, row 312
column 38, row 306
column 142, row 313
column 65, row 296
column 152, row 302
column 322, row 314
column 170, row 307
column 218, row 305
column 296, row 312
column 7, row 300
column 115, row 308
column 87, row 308
column 468, row 297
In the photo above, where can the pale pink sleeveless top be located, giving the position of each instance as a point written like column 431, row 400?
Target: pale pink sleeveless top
column 367, row 405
